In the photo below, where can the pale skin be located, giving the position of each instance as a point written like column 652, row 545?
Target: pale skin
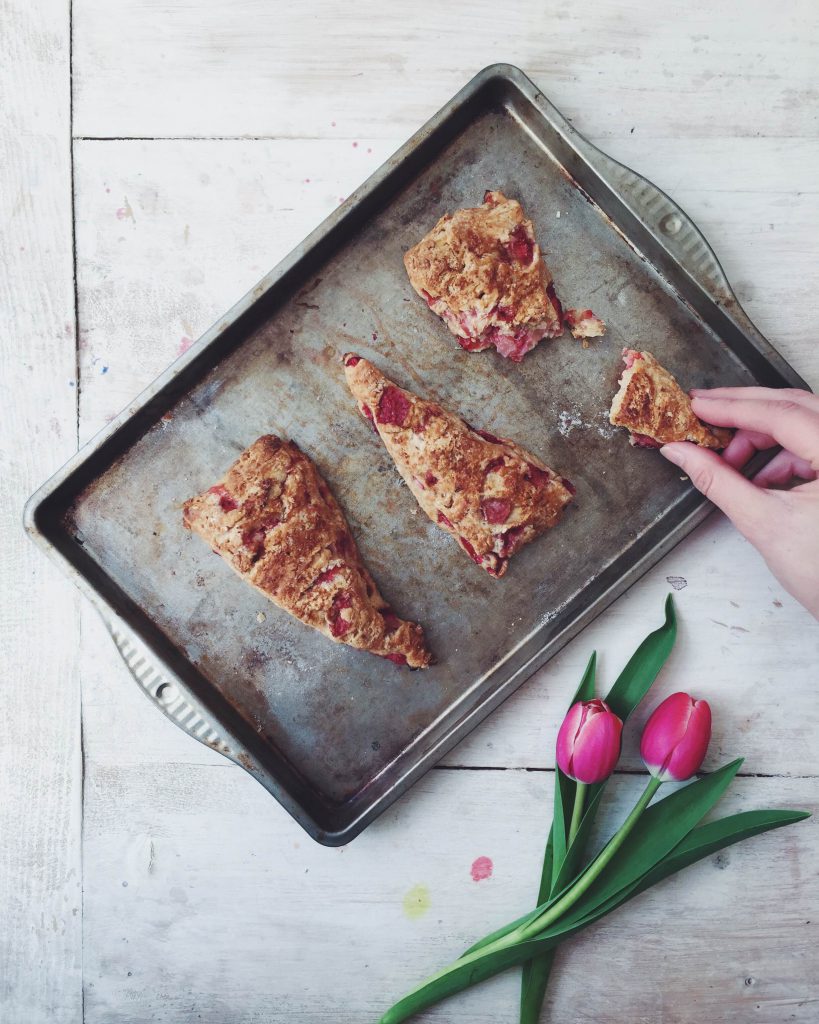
column 778, row 509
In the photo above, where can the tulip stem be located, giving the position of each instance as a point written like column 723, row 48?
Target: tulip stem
column 593, row 871
column 577, row 811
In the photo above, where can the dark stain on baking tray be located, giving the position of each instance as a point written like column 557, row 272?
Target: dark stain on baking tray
column 336, row 735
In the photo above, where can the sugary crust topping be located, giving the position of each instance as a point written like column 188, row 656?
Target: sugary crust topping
column 492, row 495
column 482, row 271
column 274, row 520
column 655, row 409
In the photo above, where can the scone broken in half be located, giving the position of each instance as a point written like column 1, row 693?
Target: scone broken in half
column 492, row 495
column 274, row 520
column 482, row 272
column 655, row 410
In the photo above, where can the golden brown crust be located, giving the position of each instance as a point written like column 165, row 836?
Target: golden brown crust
column 274, row 520
column 483, row 273
column 492, row 495
column 655, row 409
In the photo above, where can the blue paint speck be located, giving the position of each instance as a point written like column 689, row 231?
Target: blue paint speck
column 104, row 370
column 72, row 383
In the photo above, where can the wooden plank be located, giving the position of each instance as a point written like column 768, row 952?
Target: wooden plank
column 275, row 69
column 40, row 764
column 207, row 219
column 207, row 906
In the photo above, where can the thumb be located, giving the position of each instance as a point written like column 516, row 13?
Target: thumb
column 747, row 506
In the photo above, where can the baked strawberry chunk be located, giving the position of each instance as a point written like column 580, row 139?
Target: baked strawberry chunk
column 227, row 502
column 393, row 407
column 339, row 624
column 496, row 510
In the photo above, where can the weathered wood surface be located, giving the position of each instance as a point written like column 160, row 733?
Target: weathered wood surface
column 40, row 771
column 229, row 911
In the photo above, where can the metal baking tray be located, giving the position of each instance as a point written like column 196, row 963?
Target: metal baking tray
column 334, row 734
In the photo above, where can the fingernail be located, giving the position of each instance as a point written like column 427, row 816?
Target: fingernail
column 674, row 453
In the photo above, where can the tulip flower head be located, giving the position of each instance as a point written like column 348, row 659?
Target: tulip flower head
column 676, row 738
column 588, row 744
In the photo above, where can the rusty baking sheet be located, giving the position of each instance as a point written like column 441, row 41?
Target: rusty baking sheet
column 336, row 735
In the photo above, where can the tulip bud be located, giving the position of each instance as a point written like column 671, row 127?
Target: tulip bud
column 676, row 737
column 588, row 743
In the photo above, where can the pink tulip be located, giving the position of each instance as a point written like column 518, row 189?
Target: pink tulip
column 676, row 737
column 588, row 743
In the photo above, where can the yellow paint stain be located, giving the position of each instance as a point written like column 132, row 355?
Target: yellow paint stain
column 417, row 902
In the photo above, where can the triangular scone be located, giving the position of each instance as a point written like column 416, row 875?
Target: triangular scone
column 272, row 517
column 653, row 407
column 489, row 493
column 482, row 272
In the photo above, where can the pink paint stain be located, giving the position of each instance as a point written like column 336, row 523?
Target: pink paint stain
column 184, row 344
column 369, row 150
column 355, row 145
column 332, row 124
column 481, row 869
column 375, row 335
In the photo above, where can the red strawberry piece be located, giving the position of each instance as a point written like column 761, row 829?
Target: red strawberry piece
column 338, row 625
column 443, row 519
column 505, row 313
column 490, row 467
column 328, row 574
column 393, row 406
column 253, row 537
column 391, row 620
column 550, row 291
column 351, row 360
column 430, row 479
column 629, row 356
column 496, row 510
column 488, row 197
column 487, row 436
column 643, row 441
column 570, row 487
column 429, row 298
column 539, row 477
column 227, row 502
column 473, row 554
column 367, row 411
column 520, row 246
column 398, row 659
column 510, row 541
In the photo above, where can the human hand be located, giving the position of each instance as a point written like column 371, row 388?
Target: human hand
column 782, row 524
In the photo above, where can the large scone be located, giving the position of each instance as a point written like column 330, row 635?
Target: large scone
column 655, row 410
column 274, row 520
column 482, row 272
column 492, row 495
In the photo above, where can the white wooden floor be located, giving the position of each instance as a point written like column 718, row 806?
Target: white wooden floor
column 157, row 158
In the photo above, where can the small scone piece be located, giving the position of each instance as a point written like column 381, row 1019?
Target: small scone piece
column 584, row 324
column 274, row 520
column 482, row 272
column 492, row 495
column 655, row 410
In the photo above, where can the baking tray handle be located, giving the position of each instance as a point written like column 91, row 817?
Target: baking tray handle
column 168, row 697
